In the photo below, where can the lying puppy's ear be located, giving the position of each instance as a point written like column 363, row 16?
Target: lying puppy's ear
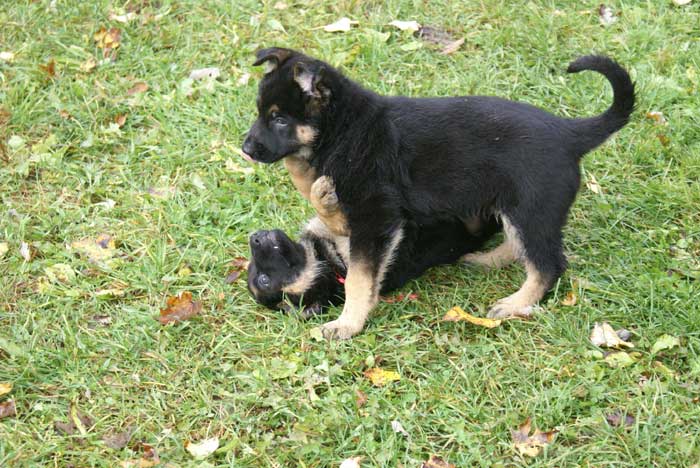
column 272, row 57
column 310, row 311
column 310, row 80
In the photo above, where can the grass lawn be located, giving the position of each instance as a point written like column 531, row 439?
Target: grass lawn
column 83, row 154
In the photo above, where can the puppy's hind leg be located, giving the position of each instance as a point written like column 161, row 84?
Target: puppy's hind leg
column 505, row 254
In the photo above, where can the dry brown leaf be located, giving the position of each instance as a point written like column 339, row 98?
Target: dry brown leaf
column 604, row 335
column 89, row 65
column 179, row 308
column 657, row 117
column 5, row 388
column 570, row 300
column 400, row 297
column 239, row 265
column 76, row 420
column 108, row 40
column 148, row 459
column 453, row 47
column 8, row 409
column 531, row 445
column 663, row 139
column 49, row 68
column 139, row 87
column 434, row 35
column 120, row 120
column 617, row 418
column 380, row 377
column 117, row 441
column 436, row 462
column 456, row 314
column 360, row 398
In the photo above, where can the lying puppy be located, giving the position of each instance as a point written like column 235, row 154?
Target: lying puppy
column 396, row 160
column 309, row 274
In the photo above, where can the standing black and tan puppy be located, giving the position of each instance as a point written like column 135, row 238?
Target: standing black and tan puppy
column 395, row 159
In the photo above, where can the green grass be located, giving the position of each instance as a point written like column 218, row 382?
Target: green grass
column 243, row 373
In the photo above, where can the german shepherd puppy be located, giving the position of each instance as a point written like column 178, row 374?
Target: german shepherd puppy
column 309, row 274
column 396, row 160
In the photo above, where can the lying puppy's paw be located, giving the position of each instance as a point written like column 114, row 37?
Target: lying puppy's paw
column 340, row 330
column 505, row 309
column 323, row 194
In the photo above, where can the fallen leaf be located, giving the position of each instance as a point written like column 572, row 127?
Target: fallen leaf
column 681, row 2
column 212, row 73
column 7, row 409
column 108, row 40
column 243, row 79
column 239, row 264
column 619, row 359
column 657, row 117
column 275, row 25
column 412, row 26
column 606, row 15
column 380, row 377
column 316, row 334
column 179, row 308
column 531, row 445
column 4, row 248
column 398, row 428
column 663, row 139
column 592, row 184
column 570, row 300
column 453, row 47
column 604, row 335
column 60, row 273
column 662, row 368
column 139, row 87
column 665, row 342
column 434, row 35
column 436, row 462
column 76, row 420
column 119, row 440
column 456, row 314
column 342, row 25
column 98, row 250
column 5, row 388
column 25, row 251
column 110, row 292
column 353, row 462
column 203, row 448
column 617, row 418
column 7, row 56
column 360, row 398
column 88, row 65
column 123, row 18
column 232, row 276
column 120, row 120
column 103, row 320
column 400, row 297
column 148, row 459
column 49, row 68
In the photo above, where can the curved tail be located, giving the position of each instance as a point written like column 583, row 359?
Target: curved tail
column 595, row 130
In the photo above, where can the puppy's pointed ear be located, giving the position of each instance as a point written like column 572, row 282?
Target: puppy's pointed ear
column 272, row 57
column 310, row 79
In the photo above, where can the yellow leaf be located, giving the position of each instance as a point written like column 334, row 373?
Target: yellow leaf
column 98, row 250
column 531, row 445
column 4, row 247
column 5, row 388
column 570, row 299
column 380, row 377
column 456, row 314
column 604, row 335
column 203, row 448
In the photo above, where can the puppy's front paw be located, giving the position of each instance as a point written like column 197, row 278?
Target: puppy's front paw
column 323, row 193
column 340, row 330
column 505, row 309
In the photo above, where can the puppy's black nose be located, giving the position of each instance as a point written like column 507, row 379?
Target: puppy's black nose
column 257, row 237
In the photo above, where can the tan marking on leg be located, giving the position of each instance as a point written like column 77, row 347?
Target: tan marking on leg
column 306, row 278
column 506, row 253
column 519, row 304
column 306, row 134
column 302, row 174
column 325, row 202
column 361, row 293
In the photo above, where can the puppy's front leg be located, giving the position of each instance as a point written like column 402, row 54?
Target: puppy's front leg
column 325, row 202
column 302, row 174
column 369, row 260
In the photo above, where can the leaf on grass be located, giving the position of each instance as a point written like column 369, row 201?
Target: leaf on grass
column 60, row 273
column 434, row 35
column 148, row 459
column 316, row 334
column 664, row 140
column 617, row 418
column 353, row 462
column 103, row 320
column 200, row 73
column 25, row 251
column 179, row 308
column 243, row 79
column 453, row 47
column 7, row 56
column 620, row 359
column 125, row 18
column 657, row 117
column 342, row 25
column 5, row 388
column 398, row 428
column 49, row 68
column 76, row 420
column 360, row 398
column 139, row 87
column 239, row 264
column 120, row 120
column 606, row 15
column 118, row 441
column 4, row 248
column 380, row 377
column 108, row 40
column 681, row 2
column 89, row 65
column 570, row 300
column 109, row 293
column 531, row 445
column 665, row 342
column 98, row 250
column 400, row 297
column 203, row 448
column 436, row 462
column 456, row 314
column 592, row 184
column 663, row 369
column 604, row 335
column 8, row 409
column 412, row 26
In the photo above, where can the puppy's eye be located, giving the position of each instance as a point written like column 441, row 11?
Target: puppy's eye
column 278, row 120
column 263, row 280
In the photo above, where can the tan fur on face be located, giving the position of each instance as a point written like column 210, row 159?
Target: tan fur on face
column 273, row 108
column 306, row 134
column 306, row 278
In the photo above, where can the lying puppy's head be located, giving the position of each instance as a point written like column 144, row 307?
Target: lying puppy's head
column 283, row 272
column 291, row 97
